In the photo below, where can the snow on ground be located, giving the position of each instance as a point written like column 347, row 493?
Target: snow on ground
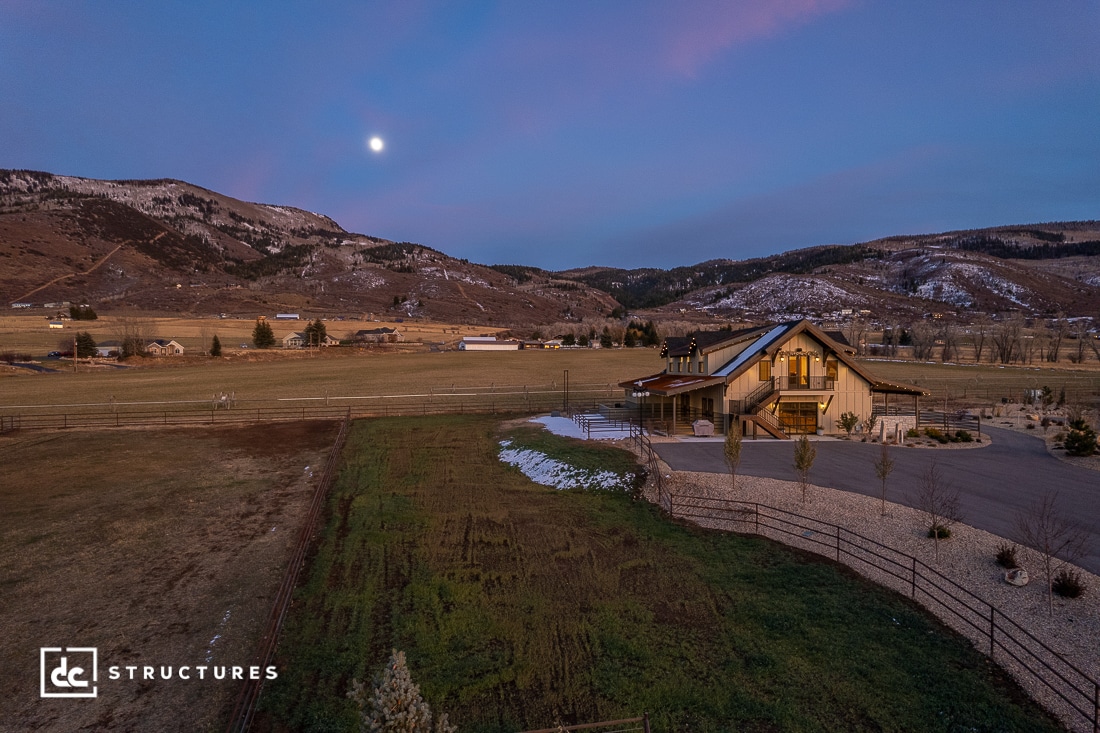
column 568, row 428
column 542, row 469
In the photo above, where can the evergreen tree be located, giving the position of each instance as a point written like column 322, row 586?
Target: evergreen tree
column 605, row 338
column 315, row 333
column 216, row 346
column 262, row 335
column 1081, row 440
column 82, row 313
column 396, row 706
column 85, row 345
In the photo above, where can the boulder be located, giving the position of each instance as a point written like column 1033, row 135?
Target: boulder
column 1016, row 576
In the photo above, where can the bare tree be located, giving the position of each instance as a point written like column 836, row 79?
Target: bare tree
column 940, row 501
column 923, row 339
column 1059, row 329
column 1007, row 339
column 133, row 336
column 804, row 455
column 949, row 334
column 1047, row 531
column 732, row 451
column 978, row 331
column 1079, row 334
column 884, row 466
column 856, row 333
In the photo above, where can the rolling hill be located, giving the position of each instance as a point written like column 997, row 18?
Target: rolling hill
column 166, row 245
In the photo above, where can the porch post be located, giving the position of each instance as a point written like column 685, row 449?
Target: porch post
column 916, row 411
column 675, row 406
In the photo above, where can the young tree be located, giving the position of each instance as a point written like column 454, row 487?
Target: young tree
column 262, row 335
column 804, row 455
column 85, row 345
column 848, row 422
column 396, row 706
column 216, row 346
column 732, row 451
column 884, row 466
column 1044, row 529
column 940, row 501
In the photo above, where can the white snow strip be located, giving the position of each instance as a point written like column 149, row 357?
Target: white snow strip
column 548, row 471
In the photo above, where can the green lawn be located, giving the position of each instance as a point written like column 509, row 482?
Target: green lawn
column 518, row 605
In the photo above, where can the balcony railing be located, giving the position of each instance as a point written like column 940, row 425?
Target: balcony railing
column 816, row 384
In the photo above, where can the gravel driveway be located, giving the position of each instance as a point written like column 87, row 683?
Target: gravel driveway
column 995, row 482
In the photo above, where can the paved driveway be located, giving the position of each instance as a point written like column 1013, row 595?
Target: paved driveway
column 995, row 482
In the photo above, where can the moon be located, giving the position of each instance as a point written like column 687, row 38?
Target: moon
column 376, row 144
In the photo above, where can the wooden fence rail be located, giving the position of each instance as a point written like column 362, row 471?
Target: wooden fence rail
column 997, row 631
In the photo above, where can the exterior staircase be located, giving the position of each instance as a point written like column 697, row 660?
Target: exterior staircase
column 754, row 408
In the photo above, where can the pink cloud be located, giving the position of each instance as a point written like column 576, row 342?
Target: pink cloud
column 700, row 32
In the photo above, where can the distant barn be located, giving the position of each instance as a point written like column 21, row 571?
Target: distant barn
column 488, row 343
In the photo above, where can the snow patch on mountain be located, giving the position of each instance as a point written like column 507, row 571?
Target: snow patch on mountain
column 784, row 295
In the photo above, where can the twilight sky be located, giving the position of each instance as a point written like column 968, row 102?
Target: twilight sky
column 564, row 134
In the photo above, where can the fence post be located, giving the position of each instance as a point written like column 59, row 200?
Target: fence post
column 992, row 628
column 913, row 587
column 756, row 516
column 645, row 723
column 838, row 543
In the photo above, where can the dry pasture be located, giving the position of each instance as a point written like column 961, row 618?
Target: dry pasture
column 30, row 332
column 158, row 548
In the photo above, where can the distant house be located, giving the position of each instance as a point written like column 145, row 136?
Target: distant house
column 787, row 379
column 287, row 317
column 57, row 324
column 379, row 335
column 107, row 348
column 163, row 347
column 299, row 340
column 488, row 343
column 21, row 305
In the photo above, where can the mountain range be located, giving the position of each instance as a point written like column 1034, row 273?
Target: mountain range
column 166, row 245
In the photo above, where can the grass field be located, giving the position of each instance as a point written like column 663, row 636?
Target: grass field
column 519, row 606
column 156, row 547
column 291, row 379
column 26, row 332
column 988, row 383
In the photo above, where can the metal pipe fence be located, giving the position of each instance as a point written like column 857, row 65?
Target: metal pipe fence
column 106, row 415
column 997, row 631
column 245, row 706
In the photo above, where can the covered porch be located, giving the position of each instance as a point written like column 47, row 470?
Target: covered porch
column 671, row 403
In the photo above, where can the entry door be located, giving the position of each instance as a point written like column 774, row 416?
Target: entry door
column 798, row 372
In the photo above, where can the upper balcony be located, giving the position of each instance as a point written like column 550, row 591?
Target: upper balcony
column 806, row 384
